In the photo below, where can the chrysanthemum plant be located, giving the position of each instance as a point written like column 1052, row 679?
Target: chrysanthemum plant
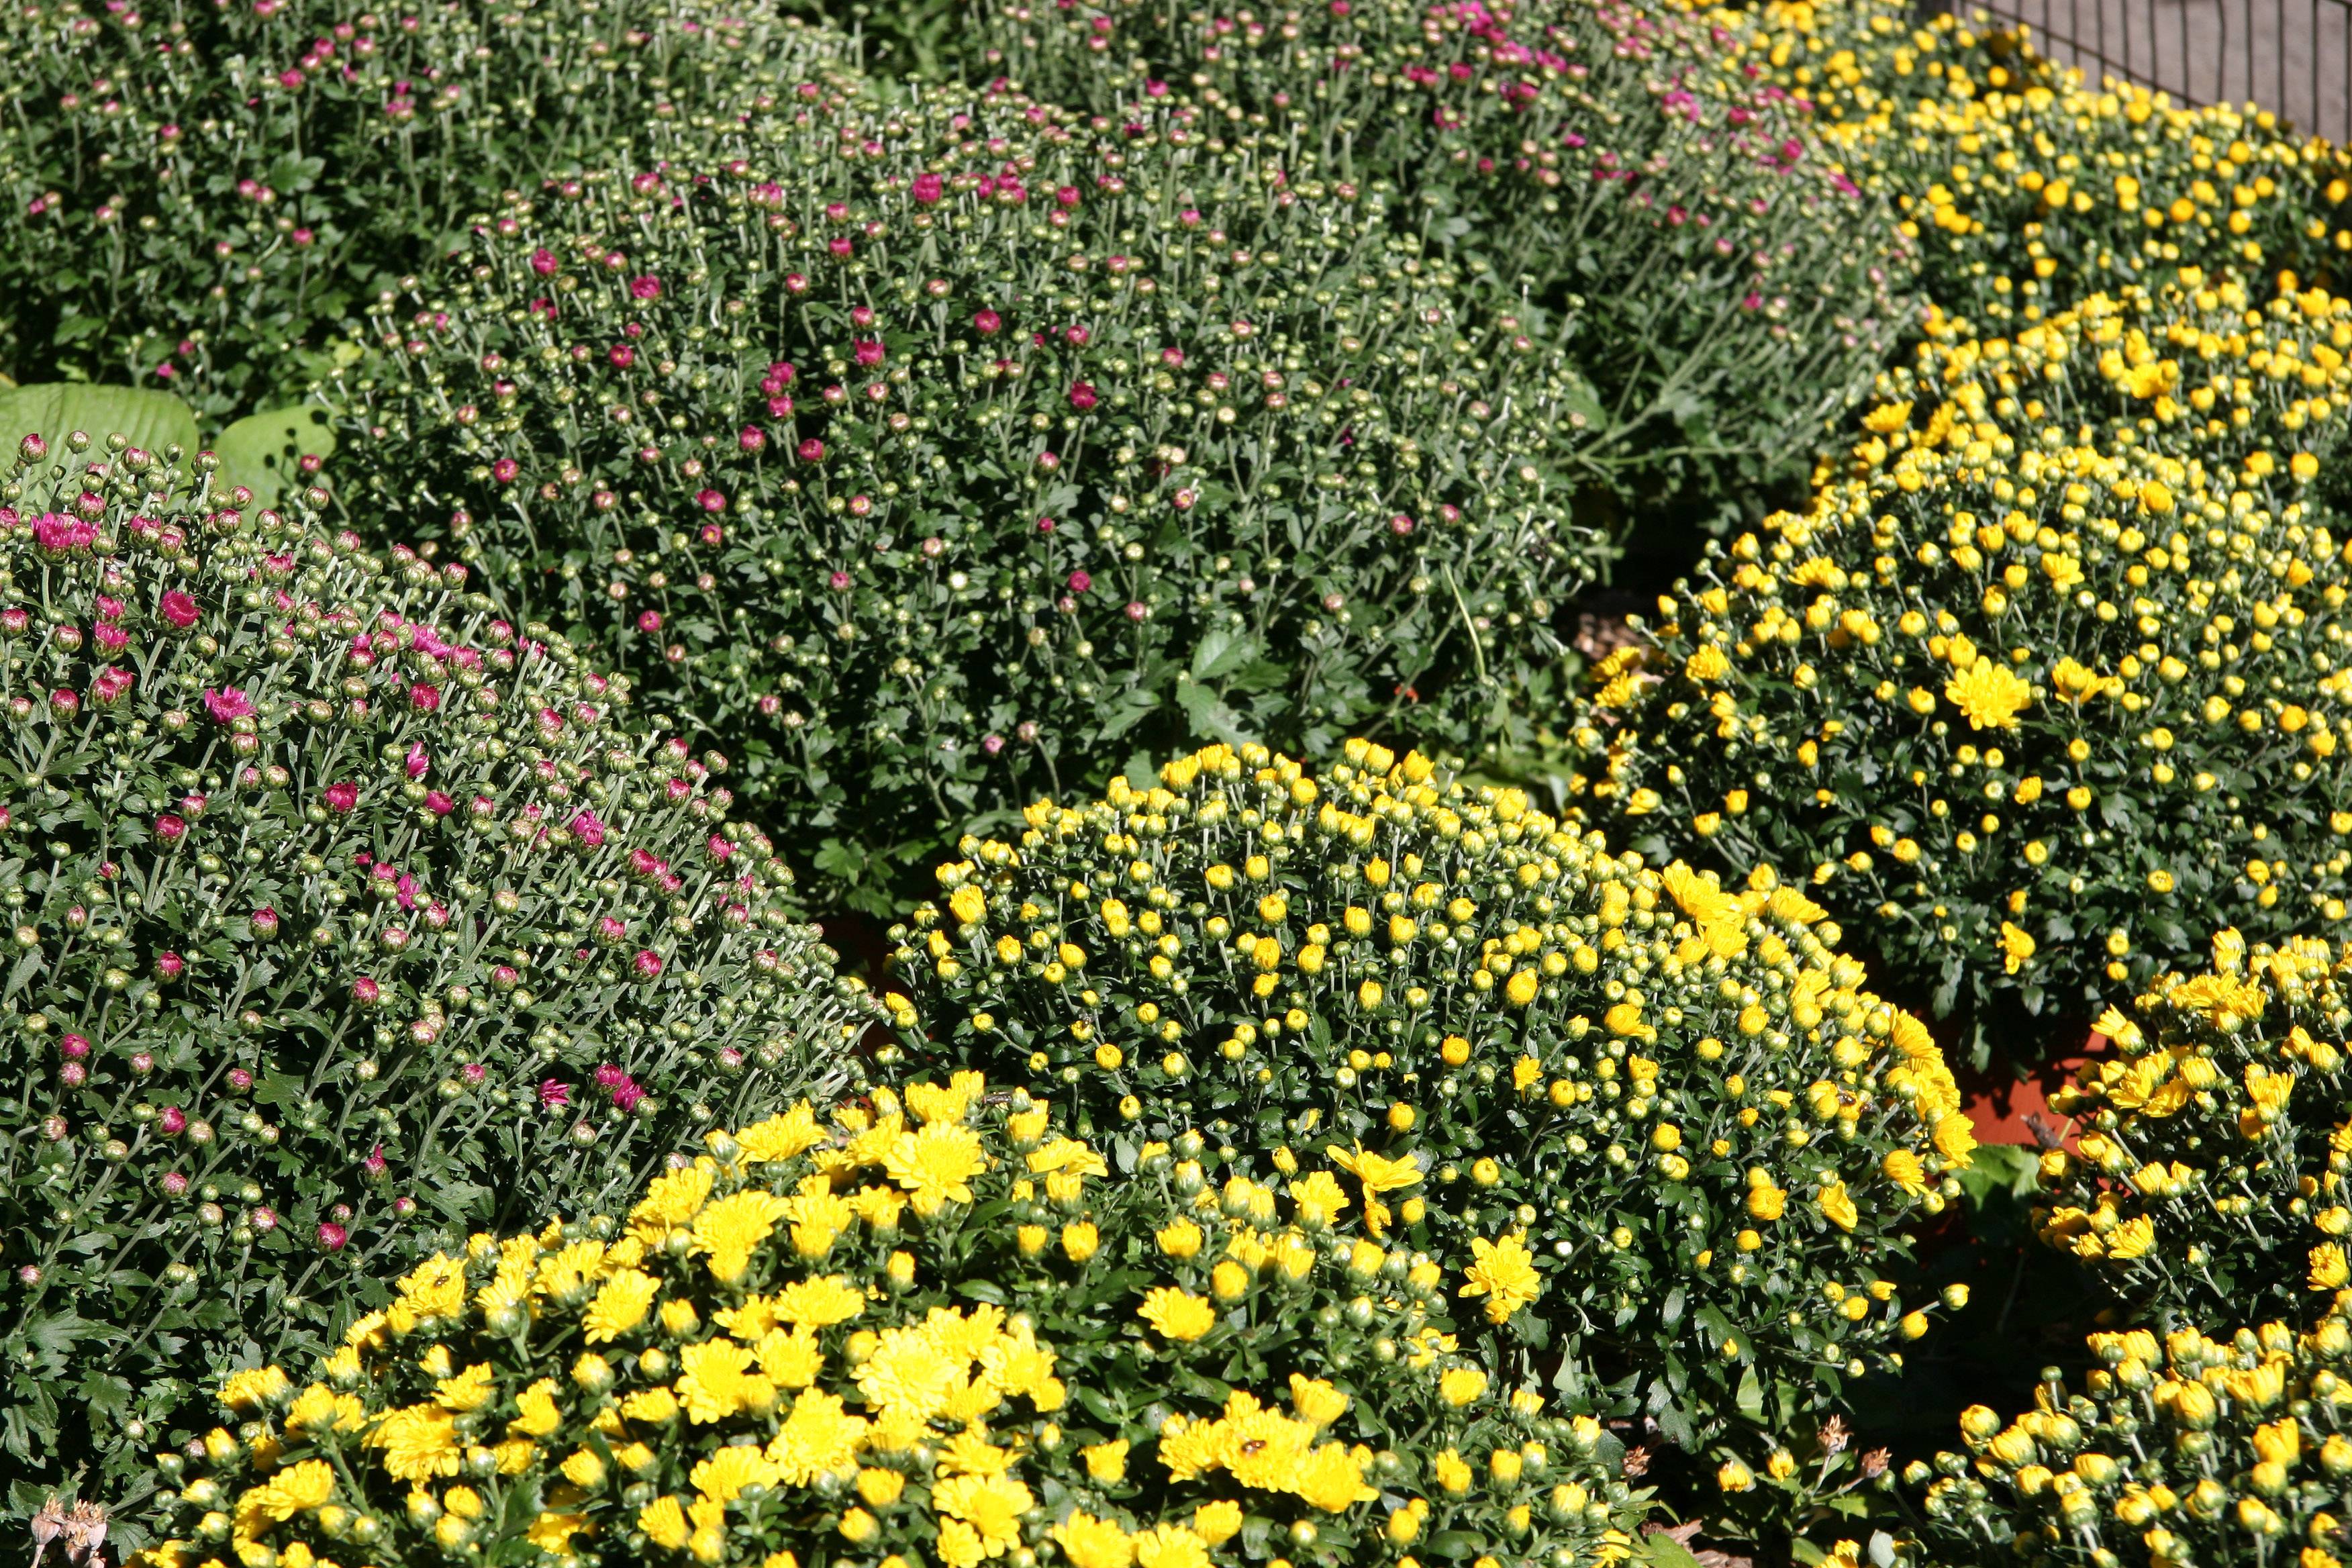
column 942, row 453
column 2025, row 186
column 1655, row 1121
column 935, row 1328
column 346, row 918
column 200, row 196
column 2230, row 1449
column 2046, row 682
column 1723, row 290
column 2209, row 1175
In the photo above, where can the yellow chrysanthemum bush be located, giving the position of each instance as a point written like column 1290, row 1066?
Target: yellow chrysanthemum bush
column 932, row 1328
column 2046, row 680
column 2025, row 186
column 1654, row 1119
column 2224, row 1450
column 2209, row 1178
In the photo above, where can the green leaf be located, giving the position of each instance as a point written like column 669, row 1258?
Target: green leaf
column 1220, row 653
column 1665, row 1551
column 259, row 450
column 153, row 420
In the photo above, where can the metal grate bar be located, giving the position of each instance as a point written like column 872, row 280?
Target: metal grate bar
column 2291, row 57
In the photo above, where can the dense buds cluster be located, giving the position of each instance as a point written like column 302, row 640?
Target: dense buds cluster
column 2050, row 676
column 310, row 947
column 1601, row 1089
column 934, row 1328
column 796, row 489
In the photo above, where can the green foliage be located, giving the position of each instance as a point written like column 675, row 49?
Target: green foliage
column 2047, row 683
column 149, row 420
column 1721, row 289
column 267, row 453
column 343, row 919
column 935, row 1331
column 199, row 196
column 1678, row 1137
column 939, row 453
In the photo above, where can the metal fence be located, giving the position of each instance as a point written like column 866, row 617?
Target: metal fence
column 2291, row 57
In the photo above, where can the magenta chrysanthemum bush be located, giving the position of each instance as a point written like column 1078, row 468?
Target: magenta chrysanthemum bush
column 944, row 452
column 199, row 196
column 1722, row 288
column 346, row 918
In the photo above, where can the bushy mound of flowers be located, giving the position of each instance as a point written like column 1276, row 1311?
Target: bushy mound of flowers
column 931, row 1327
column 943, row 452
column 2226, row 1449
column 1722, row 288
column 345, row 918
column 2209, row 1171
column 2025, row 186
column 199, row 196
column 1655, row 1116
column 2047, row 680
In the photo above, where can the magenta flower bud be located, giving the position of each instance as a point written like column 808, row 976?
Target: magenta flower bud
column 621, row 355
column 173, row 1120
column 174, row 1184
column 404, row 1206
column 474, row 1072
column 73, row 1047
column 645, row 288
column 170, row 965
column 142, row 1062
column 332, row 1237
column 991, row 744
column 1080, row 582
column 506, row 470
column 264, row 922
column 1049, row 461
column 586, row 827
column 752, row 438
column 179, row 609
column 610, row 1076
column 542, row 261
column 33, row 448
column 262, row 1217
column 647, row 964
column 1401, row 525
column 342, row 798
column 73, row 1075
column 649, row 622
column 625, row 1096
column 988, row 323
column 239, row 1079
column 227, row 706
column 811, row 450
column 64, row 704
column 928, row 189
column 1136, row 610
column 375, row 1162
column 366, row 991
column 1082, row 396
column 170, row 828
column 555, row 1093
column 54, row 1129
column 711, row 500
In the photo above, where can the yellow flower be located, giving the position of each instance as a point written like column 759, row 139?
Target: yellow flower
column 1106, row 1462
column 2330, row 1268
column 1091, row 1543
column 1503, row 1272
column 729, row 1230
column 664, row 1522
column 419, row 1443
column 1177, row 1314
column 1989, row 694
column 968, row 904
column 553, row 1533
column 1181, row 1240
column 722, row 1476
column 1219, row 1521
column 718, row 1381
column 992, row 1506
column 1451, row 1472
column 1079, row 1239
column 248, row 1391
column 2016, row 946
column 621, row 1304
column 936, row 1164
column 1837, row 1207
column 1766, row 1200
column 1461, row 1386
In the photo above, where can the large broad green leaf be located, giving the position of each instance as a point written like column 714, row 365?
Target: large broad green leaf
column 153, row 420
column 259, row 451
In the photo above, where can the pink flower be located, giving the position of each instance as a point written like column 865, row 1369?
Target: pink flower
column 752, row 438
column 588, row 829
column 175, row 1184
column 170, row 828
column 554, row 1092
column 870, row 351
column 1082, row 396
column 375, row 1162
column 1136, row 610
column 988, row 323
column 262, row 1217
column 474, row 1072
column 110, row 686
column 426, row 698
column 711, row 500
column 649, row 622
column 621, row 355
column 647, row 964
column 438, row 803
column 59, row 534
column 170, row 965
column 645, row 288
column 342, row 798
column 264, row 922
column 610, row 1076
column 332, row 1237
column 227, row 706
column 366, row 991
column 929, row 188
column 625, row 1096
column 239, row 1079
column 811, row 450
column 839, row 582
column 1080, row 582
column 542, row 261
column 73, row 1047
